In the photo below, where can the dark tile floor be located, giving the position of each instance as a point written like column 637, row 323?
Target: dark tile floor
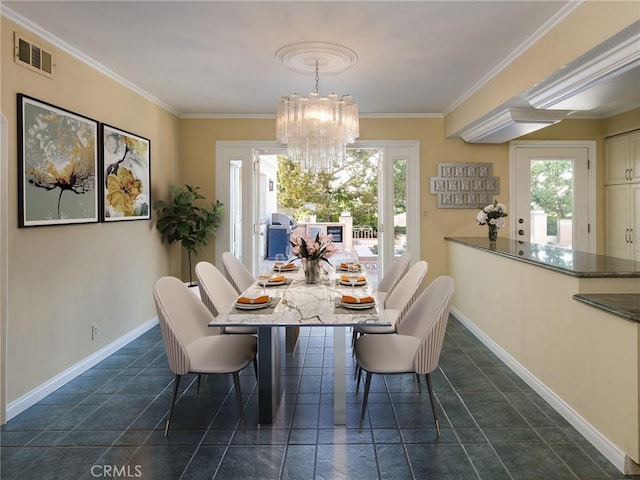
column 108, row 423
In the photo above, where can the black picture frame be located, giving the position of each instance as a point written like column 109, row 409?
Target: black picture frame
column 57, row 165
column 125, row 175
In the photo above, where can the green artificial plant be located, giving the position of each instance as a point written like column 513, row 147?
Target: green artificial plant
column 182, row 221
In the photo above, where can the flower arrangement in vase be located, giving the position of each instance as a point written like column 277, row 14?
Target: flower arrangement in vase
column 493, row 216
column 312, row 251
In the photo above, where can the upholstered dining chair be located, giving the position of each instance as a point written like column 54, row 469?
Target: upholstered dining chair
column 217, row 293
column 237, row 273
column 416, row 347
column 191, row 347
column 389, row 281
column 399, row 300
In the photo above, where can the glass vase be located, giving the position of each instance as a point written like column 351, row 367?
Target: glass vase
column 493, row 233
column 311, row 271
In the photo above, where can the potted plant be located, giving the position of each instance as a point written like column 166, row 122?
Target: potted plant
column 182, row 221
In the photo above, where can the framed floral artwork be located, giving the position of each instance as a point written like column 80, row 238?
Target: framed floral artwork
column 58, row 165
column 126, row 175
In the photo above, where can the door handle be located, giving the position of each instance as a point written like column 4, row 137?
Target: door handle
column 631, row 235
column 626, row 235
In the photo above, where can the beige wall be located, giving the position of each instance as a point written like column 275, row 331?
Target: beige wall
column 63, row 279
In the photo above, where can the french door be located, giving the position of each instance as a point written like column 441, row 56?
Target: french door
column 553, row 193
column 245, row 176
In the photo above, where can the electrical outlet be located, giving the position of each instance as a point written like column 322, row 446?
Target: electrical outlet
column 94, row 332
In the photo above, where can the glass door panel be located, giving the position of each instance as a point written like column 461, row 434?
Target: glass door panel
column 551, row 199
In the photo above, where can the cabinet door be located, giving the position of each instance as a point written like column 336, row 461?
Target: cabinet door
column 616, row 220
column 634, row 235
column 634, row 160
column 616, row 160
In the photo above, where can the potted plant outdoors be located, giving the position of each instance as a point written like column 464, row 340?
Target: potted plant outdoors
column 183, row 221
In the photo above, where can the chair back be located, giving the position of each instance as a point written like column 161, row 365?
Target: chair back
column 398, row 270
column 407, row 290
column 183, row 319
column 427, row 319
column 216, row 291
column 237, row 273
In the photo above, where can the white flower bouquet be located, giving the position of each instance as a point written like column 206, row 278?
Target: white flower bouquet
column 492, row 214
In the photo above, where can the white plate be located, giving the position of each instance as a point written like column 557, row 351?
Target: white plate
column 290, row 269
column 253, row 306
column 357, row 306
column 342, row 269
column 357, row 284
column 275, row 284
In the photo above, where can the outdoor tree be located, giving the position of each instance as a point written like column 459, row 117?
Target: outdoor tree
column 353, row 187
column 552, row 187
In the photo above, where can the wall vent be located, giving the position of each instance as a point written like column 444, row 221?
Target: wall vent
column 33, row 56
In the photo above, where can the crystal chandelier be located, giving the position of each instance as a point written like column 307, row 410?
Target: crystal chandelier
column 317, row 129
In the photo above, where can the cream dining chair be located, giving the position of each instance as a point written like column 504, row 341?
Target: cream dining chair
column 237, row 273
column 190, row 345
column 417, row 346
column 398, row 270
column 387, row 284
column 400, row 299
column 217, row 293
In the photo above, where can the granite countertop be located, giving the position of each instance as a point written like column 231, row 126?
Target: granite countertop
column 562, row 260
column 625, row 305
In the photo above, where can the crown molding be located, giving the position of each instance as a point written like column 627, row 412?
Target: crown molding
column 617, row 60
column 511, row 123
column 528, row 43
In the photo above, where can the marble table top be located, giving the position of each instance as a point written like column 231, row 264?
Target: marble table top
column 306, row 305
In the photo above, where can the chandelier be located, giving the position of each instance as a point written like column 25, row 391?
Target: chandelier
column 317, row 129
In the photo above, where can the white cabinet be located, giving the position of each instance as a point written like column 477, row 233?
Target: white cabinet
column 622, row 159
column 622, row 221
column 622, row 196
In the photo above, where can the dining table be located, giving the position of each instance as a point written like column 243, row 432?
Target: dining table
column 285, row 300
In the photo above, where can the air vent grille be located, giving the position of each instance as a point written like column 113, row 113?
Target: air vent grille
column 33, row 56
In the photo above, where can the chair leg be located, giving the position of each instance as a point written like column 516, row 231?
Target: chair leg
column 417, row 378
column 236, row 383
column 433, row 403
column 198, row 384
column 255, row 366
column 358, row 377
column 367, row 385
column 176, row 386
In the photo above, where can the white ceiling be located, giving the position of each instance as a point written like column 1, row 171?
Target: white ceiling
column 218, row 57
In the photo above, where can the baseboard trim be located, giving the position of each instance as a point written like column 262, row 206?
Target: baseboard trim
column 616, row 456
column 34, row 396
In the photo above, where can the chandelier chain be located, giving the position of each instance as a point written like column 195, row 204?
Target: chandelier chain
column 317, row 77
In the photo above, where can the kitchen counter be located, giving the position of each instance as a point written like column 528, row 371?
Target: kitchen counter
column 569, row 262
column 625, row 305
column 559, row 319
